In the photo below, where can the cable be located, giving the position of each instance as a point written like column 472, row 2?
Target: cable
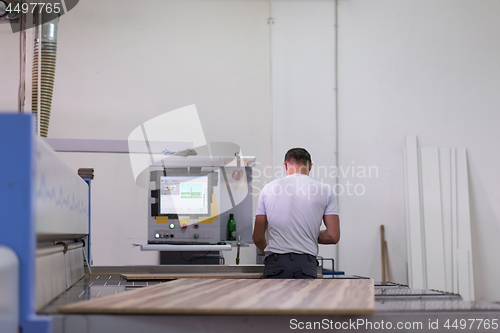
column 204, row 257
column 182, row 256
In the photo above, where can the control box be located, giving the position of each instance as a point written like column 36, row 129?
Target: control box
column 191, row 205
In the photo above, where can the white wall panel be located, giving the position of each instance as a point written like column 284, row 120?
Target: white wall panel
column 464, row 282
column 454, row 231
column 416, row 262
column 445, row 172
column 432, row 219
column 465, row 266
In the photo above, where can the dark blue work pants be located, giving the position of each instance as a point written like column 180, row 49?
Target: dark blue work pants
column 290, row 266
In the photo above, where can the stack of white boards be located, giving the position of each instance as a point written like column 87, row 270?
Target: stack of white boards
column 438, row 219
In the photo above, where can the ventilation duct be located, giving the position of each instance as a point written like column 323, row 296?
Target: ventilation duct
column 46, row 47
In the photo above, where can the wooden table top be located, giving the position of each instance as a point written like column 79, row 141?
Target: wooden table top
column 238, row 296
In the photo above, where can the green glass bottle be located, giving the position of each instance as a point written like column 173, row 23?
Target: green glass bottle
column 231, row 228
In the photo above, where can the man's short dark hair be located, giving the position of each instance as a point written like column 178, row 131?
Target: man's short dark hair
column 299, row 156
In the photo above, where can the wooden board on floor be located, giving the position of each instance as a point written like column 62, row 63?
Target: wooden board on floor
column 238, row 296
column 174, row 276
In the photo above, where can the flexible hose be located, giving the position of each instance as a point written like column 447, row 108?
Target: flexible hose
column 47, row 83
column 48, row 69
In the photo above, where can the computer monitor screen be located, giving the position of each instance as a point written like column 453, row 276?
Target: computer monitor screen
column 184, row 195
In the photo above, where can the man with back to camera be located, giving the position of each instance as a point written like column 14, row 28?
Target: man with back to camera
column 291, row 209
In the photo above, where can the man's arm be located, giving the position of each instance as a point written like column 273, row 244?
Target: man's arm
column 332, row 233
column 259, row 232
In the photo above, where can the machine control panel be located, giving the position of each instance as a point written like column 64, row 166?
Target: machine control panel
column 191, row 205
column 171, row 233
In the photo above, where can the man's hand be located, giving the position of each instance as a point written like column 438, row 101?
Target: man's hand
column 259, row 232
column 332, row 233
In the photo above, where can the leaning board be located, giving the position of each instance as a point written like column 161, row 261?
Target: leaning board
column 238, row 296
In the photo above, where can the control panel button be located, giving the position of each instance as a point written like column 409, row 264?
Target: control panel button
column 172, row 225
column 157, row 235
column 196, row 236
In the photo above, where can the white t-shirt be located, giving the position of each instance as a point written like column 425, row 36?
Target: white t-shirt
column 294, row 206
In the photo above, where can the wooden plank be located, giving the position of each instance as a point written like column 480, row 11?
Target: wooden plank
column 239, row 296
column 432, row 217
column 386, row 256
column 464, row 242
column 414, row 232
column 445, row 172
column 174, row 276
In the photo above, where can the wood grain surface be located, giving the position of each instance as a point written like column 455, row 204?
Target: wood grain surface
column 238, row 296
column 174, row 276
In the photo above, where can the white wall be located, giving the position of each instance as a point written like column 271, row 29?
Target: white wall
column 426, row 68
column 122, row 65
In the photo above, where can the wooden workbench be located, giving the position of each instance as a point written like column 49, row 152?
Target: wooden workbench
column 238, row 296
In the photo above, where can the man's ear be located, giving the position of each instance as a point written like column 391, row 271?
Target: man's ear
column 310, row 166
column 286, row 166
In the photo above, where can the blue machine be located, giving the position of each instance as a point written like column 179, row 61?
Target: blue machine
column 33, row 205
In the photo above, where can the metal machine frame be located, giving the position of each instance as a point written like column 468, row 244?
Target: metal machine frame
column 24, row 157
